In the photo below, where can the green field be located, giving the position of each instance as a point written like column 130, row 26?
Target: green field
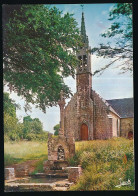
column 18, row 152
column 104, row 162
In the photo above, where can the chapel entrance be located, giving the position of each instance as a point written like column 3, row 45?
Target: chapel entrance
column 84, row 132
column 130, row 135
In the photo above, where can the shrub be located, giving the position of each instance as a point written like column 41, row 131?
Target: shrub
column 14, row 136
column 130, row 173
column 75, row 160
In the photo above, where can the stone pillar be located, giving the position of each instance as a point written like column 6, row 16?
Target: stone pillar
column 9, row 173
column 61, row 104
column 74, row 173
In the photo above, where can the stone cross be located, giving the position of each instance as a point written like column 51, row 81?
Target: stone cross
column 61, row 104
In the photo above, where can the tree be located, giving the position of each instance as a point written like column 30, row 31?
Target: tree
column 32, row 126
column 27, row 119
column 56, row 128
column 36, row 53
column 11, row 124
column 37, row 126
column 10, row 105
column 120, row 31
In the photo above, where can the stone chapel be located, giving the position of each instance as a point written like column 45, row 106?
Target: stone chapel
column 88, row 116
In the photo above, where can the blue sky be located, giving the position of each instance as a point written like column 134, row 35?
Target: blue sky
column 109, row 85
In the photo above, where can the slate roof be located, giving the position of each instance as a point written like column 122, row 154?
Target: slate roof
column 124, row 107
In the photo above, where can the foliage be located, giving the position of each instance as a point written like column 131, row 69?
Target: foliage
column 130, row 173
column 11, row 125
column 56, row 128
column 120, row 31
column 27, row 119
column 36, row 54
column 9, row 105
column 30, row 129
column 103, row 164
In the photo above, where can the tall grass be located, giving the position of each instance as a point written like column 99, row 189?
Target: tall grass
column 104, row 162
column 17, row 152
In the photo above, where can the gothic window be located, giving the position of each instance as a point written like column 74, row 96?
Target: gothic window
column 80, row 58
column 80, row 65
column 61, row 154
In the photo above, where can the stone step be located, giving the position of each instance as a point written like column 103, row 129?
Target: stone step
column 50, row 174
column 60, row 188
column 57, row 175
column 57, row 171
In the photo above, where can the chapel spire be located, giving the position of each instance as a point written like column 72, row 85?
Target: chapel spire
column 84, row 54
column 83, row 31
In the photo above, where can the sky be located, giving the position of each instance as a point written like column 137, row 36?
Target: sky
column 109, row 85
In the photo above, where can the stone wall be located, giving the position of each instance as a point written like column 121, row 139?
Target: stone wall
column 115, row 125
column 102, row 122
column 78, row 111
column 126, row 125
column 95, row 113
column 54, row 144
column 74, row 173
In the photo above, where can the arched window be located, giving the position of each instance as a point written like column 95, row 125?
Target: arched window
column 130, row 135
column 60, row 153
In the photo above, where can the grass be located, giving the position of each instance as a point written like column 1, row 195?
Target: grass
column 104, row 162
column 18, row 152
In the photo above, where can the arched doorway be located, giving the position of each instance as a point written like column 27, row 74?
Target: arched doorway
column 84, row 132
column 130, row 135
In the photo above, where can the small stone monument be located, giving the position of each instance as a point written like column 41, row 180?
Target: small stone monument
column 59, row 148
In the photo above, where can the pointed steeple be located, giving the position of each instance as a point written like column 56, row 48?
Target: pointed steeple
column 84, row 54
column 83, row 30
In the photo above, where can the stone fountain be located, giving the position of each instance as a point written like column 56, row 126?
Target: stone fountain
column 60, row 149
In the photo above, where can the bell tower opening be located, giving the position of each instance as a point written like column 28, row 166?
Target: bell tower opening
column 83, row 74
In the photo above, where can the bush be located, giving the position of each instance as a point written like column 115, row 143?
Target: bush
column 75, row 160
column 130, row 173
column 14, row 136
column 30, row 136
column 37, row 137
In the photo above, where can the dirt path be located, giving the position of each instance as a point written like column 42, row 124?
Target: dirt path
column 23, row 169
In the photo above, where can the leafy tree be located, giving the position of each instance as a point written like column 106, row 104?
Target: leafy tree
column 10, row 105
column 56, row 128
column 121, row 33
column 37, row 126
column 10, row 123
column 36, row 55
column 12, row 128
column 32, row 126
column 27, row 119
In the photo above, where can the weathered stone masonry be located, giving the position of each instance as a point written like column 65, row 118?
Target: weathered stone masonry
column 88, row 116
